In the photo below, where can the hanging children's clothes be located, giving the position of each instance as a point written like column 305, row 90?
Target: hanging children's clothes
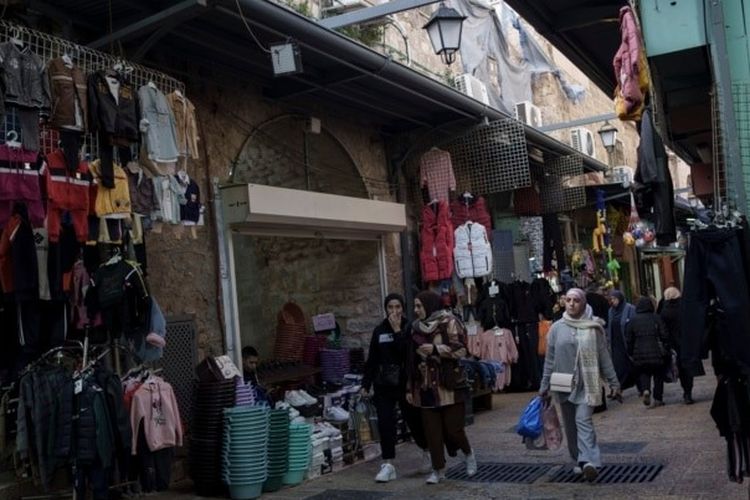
column 468, row 208
column 154, row 407
column 142, row 196
column 472, row 253
column 19, row 183
column 157, row 125
column 66, row 192
column 436, row 245
column 436, row 173
column 18, row 265
column 170, row 195
column 185, row 124
column 498, row 345
column 112, row 202
column 69, row 100
column 190, row 211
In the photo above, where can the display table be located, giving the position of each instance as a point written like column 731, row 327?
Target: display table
column 291, row 374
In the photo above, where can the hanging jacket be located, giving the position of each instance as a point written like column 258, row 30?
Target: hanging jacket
column 475, row 210
column 185, row 124
column 111, row 202
column 68, row 96
column 646, row 336
column 18, row 264
column 472, row 254
column 157, row 125
column 142, row 197
column 170, row 195
column 115, row 116
column 154, row 406
column 436, row 243
column 120, row 294
column 191, row 210
column 655, row 194
column 66, row 192
column 23, row 76
column 627, row 61
column 19, row 182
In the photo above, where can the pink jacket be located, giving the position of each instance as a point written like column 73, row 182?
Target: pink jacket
column 155, row 405
column 626, row 62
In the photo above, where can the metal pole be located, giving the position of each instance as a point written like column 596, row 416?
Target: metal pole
column 226, row 269
column 370, row 13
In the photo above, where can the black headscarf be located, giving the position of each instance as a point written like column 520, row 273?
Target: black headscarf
column 430, row 301
column 394, row 296
column 645, row 305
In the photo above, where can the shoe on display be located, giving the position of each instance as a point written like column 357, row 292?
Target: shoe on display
column 426, row 462
column 309, row 399
column 337, row 414
column 471, row 464
column 590, row 472
column 294, row 399
column 387, row 473
column 647, row 398
column 435, row 477
column 298, row 420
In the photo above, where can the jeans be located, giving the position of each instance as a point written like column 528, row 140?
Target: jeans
column 714, row 263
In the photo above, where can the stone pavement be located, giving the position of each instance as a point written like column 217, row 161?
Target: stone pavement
column 682, row 438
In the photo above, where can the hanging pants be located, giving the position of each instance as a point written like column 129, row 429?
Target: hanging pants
column 578, row 425
column 385, row 404
column 714, row 268
column 444, row 427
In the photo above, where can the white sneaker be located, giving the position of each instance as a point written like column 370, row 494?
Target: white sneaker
column 471, row 464
column 435, row 477
column 336, row 414
column 293, row 413
column 387, row 473
column 309, row 399
column 294, row 399
column 426, row 462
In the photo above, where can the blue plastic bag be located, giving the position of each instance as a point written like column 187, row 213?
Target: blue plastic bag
column 530, row 424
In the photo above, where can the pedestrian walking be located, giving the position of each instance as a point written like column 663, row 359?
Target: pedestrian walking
column 670, row 314
column 436, row 383
column 620, row 314
column 577, row 346
column 385, row 373
column 648, row 346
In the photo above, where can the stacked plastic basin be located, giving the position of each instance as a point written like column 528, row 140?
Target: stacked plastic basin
column 278, row 442
column 300, row 436
column 244, row 464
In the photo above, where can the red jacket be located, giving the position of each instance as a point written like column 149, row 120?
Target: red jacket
column 474, row 211
column 436, row 235
column 66, row 193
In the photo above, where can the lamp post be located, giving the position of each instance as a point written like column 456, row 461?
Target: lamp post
column 444, row 28
column 608, row 135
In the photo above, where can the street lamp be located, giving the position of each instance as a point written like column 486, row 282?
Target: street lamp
column 608, row 135
column 445, row 27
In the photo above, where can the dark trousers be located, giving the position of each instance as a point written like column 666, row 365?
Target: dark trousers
column 385, row 404
column 106, row 151
column 444, row 427
column 646, row 374
column 686, row 381
column 97, row 477
column 154, row 468
column 714, row 264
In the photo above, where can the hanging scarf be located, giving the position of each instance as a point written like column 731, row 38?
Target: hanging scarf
column 588, row 356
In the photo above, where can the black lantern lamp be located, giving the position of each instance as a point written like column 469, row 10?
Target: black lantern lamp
column 444, row 28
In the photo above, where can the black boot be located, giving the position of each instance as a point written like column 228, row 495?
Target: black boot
column 687, row 398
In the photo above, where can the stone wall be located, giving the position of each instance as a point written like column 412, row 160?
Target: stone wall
column 183, row 272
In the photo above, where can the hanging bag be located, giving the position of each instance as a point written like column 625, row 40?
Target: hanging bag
column 672, row 373
column 530, row 424
column 551, row 423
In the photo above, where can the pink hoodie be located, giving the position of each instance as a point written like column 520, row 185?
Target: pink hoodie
column 155, row 405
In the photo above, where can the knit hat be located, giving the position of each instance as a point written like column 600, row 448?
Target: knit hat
column 577, row 292
column 156, row 340
column 394, row 296
column 430, row 301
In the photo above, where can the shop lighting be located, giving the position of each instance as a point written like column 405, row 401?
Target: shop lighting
column 608, row 135
column 445, row 27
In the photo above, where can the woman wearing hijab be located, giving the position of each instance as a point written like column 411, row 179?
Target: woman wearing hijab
column 577, row 345
column 385, row 371
column 438, row 342
column 620, row 314
column 670, row 314
column 648, row 345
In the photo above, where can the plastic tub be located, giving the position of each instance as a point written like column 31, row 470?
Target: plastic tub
column 245, row 491
column 293, row 477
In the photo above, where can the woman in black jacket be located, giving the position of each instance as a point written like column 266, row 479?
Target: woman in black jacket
column 385, row 370
column 648, row 346
column 670, row 313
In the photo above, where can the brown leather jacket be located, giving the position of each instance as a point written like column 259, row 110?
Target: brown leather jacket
column 67, row 87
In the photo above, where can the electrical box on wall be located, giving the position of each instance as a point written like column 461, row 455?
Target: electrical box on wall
column 286, row 59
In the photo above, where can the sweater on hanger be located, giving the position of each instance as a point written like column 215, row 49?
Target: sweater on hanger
column 154, row 406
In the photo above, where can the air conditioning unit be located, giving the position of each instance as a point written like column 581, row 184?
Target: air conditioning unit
column 472, row 87
column 529, row 114
column 583, row 140
column 622, row 174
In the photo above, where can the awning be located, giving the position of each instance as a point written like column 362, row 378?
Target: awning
column 337, row 70
column 272, row 211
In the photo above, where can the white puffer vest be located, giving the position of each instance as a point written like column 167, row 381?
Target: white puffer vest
column 473, row 253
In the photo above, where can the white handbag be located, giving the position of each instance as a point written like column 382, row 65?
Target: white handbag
column 561, row 382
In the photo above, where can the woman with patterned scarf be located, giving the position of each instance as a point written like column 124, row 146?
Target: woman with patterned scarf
column 577, row 345
column 435, row 383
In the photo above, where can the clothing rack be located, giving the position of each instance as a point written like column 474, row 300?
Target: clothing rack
column 48, row 47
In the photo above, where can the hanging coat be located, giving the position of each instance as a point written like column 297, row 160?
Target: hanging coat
column 627, row 62
column 436, row 245
column 472, row 254
column 157, row 125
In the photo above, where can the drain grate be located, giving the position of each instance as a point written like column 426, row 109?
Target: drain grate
column 500, row 473
column 611, row 474
column 624, row 447
column 348, row 495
